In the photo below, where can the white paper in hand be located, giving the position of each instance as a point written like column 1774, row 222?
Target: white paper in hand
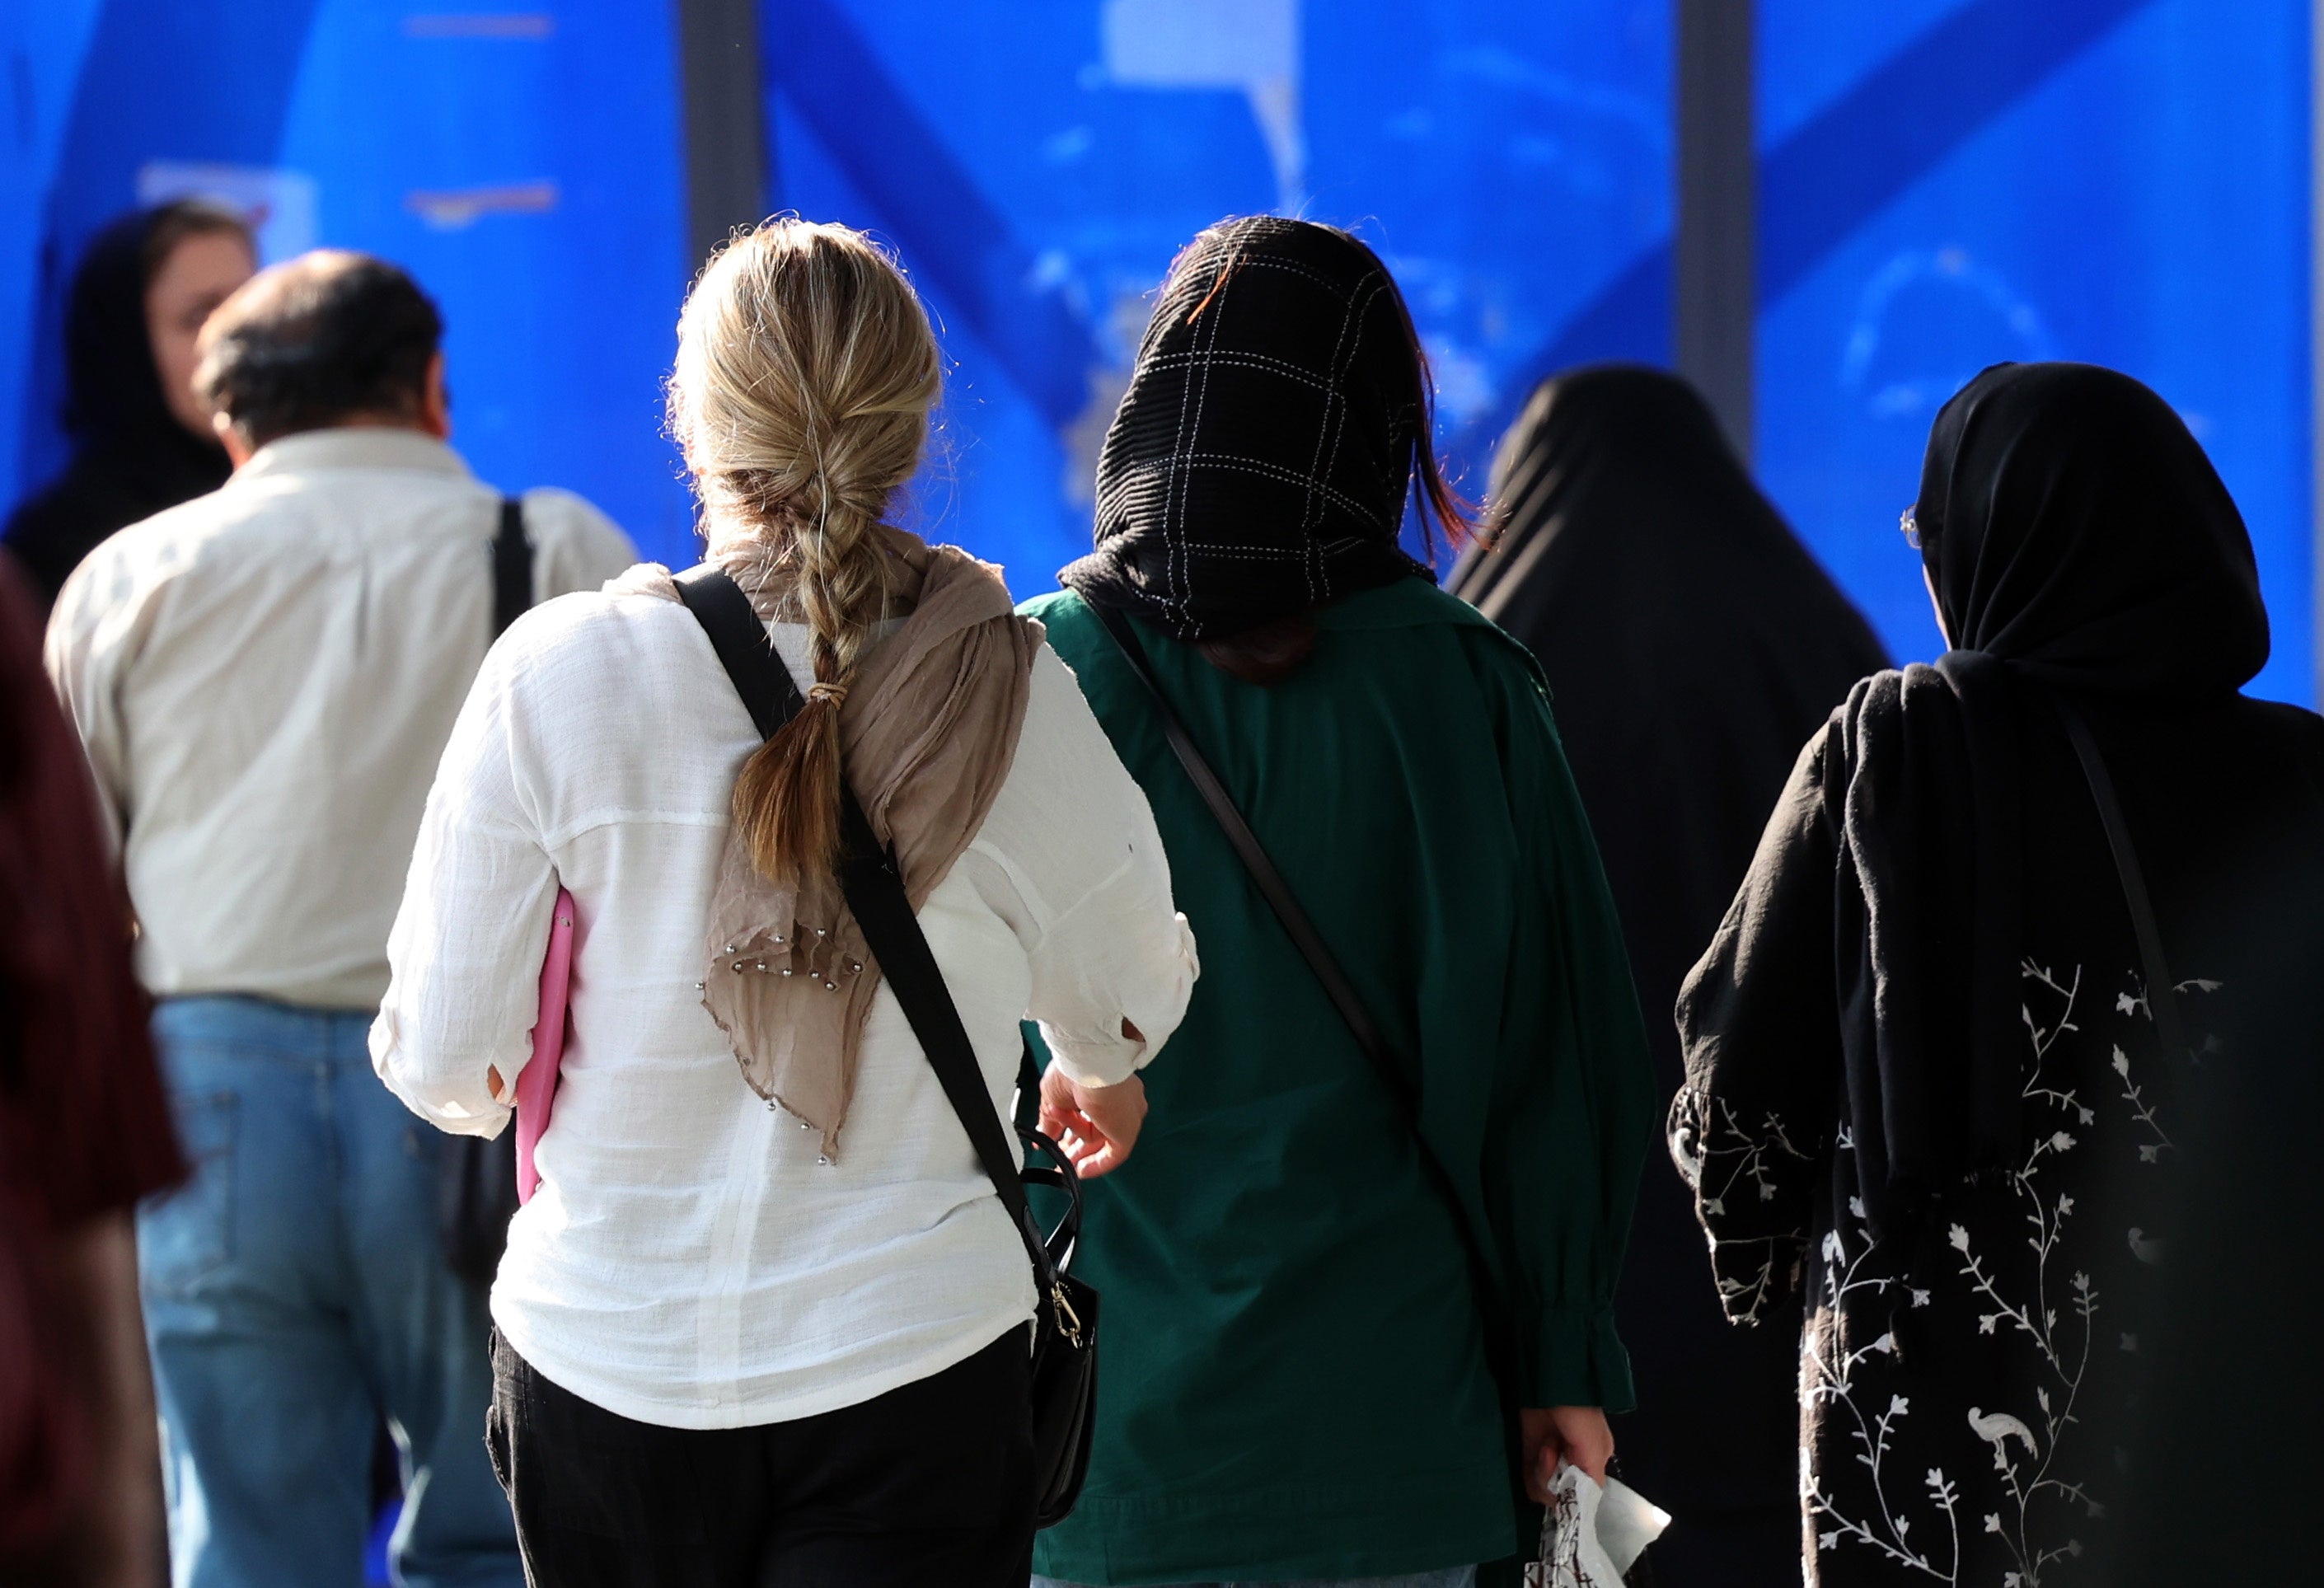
column 1591, row 1536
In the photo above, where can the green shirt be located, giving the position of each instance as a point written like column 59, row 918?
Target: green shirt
column 1294, row 1379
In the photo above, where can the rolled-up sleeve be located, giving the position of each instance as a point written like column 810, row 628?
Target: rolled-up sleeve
column 466, row 952
column 1122, row 955
column 1110, row 946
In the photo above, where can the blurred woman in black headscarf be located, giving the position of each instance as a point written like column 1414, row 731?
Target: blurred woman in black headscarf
column 142, row 439
column 1950, row 1042
column 1690, row 643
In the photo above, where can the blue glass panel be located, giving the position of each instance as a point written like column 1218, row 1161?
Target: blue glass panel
column 41, row 50
column 1037, row 167
column 520, row 158
column 1948, row 185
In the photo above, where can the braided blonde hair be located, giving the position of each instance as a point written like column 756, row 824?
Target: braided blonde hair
column 806, row 371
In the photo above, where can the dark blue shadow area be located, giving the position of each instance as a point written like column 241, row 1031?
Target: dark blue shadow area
column 377, row 1572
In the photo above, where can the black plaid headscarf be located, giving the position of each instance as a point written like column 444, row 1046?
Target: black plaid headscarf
column 1259, row 464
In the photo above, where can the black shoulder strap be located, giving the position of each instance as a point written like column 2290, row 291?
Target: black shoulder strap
column 1262, row 870
column 2162, row 991
column 736, row 634
column 1301, row 930
column 1272, row 886
column 874, row 888
column 512, row 566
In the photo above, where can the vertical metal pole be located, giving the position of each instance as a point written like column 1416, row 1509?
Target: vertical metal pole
column 721, row 111
column 1715, row 274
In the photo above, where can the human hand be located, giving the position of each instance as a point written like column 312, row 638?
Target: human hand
column 1577, row 1434
column 492, row 1082
column 1096, row 1126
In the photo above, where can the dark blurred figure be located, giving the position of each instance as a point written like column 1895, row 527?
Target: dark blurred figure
column 84, row 1133
column 2227, row 1464
column 1692, row 644
column 141, row 438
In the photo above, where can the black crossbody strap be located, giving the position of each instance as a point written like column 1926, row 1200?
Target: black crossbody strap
column 1253, row 854
column 736, row 634
column 1305, row 938
column 2162, row 991
column 874, row 888
column 477, row 1188
column 512, row 566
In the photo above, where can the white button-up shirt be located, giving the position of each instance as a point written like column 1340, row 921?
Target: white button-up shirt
column 688, row 1260
column 264, row 679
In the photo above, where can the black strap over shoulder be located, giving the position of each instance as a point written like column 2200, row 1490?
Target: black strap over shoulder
column 874, row 888
column 2162, row 991
column 1309, row 942
column 731, row 623
column 1277, row 892
column 476, row 1191
column 512, row 566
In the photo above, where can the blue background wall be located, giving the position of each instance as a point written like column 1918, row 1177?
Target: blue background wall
column 1948, row 185
column 1943, row 183
column 1038, row 166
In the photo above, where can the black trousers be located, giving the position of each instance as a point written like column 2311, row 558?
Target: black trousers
column 931, row 1483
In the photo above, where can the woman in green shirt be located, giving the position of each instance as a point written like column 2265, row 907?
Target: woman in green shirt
column 1302, row 1380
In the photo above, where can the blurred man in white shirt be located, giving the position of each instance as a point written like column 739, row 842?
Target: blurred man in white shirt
column 264, row 679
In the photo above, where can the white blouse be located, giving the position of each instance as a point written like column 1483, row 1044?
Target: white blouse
column 688, row 1260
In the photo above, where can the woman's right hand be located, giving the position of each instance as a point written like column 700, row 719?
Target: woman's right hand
column 1555, row 1434
column 1096, row 1126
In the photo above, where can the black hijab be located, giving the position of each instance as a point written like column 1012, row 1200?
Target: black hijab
column 131, row 459
column 1692, row 644
column 2080, row 542
column 1259, row 464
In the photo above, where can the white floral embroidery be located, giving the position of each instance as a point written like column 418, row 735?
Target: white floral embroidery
column 1722, row 1159
column 2037, row 1503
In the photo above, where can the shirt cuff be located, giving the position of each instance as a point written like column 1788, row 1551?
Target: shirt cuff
column 1757, row 1276
column 1092, row 1058
column 458, row 1111
column 1103, row 1056
column 1578, row 1360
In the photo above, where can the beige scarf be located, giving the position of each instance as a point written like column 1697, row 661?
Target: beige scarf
column 927, row 733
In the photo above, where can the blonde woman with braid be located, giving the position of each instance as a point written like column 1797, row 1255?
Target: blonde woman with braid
column 765, row 1320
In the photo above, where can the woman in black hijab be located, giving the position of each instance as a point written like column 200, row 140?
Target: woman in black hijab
column 1936, row 1076
column 141, row 439
column 1690, row 643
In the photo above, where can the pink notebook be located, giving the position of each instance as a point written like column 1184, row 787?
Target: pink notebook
column 536, row 1086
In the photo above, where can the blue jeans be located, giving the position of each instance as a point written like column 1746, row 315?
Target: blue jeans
column 1455, row 1577
column 294, row 1293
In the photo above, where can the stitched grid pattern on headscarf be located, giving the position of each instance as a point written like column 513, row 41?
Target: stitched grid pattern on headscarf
column 1259, row 464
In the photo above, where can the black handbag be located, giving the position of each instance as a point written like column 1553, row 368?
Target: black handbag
column 1065, row 1326
column 475, row 1191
